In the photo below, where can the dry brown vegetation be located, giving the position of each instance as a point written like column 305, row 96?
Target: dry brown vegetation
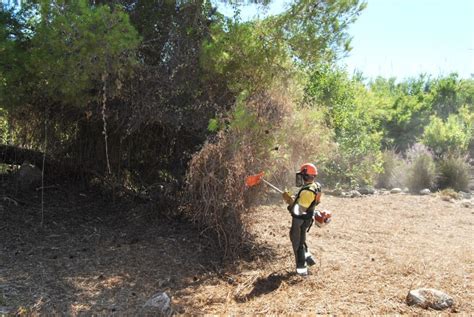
column 101, row 259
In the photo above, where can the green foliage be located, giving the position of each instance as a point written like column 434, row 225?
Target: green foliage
column 3, row 126
column 453, row 172
column 317, row 31
column 449, row 94
column 333, row 93
column 253, row 55
column 243, row 118
column 408, row 114
column 342, row 102
column 59, row 50
column 76, row 45
column 450, row 136
column 244, row 55
column 405, row 108
column 421, row 168
column 213, row 125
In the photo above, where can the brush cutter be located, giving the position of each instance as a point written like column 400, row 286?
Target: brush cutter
column 256, row 179
column 321, row 217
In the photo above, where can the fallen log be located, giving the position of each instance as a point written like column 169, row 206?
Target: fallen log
column 10, row 154
column 63, row 169
column 53, row 167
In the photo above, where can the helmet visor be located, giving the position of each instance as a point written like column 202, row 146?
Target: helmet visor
column 299, row 180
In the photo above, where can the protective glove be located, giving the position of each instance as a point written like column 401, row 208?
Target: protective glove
column 287, row 198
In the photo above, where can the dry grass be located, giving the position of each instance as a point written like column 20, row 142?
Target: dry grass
column 94, row 259
column 376, row 249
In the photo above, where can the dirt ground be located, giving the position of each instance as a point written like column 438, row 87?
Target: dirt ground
column 93, row 257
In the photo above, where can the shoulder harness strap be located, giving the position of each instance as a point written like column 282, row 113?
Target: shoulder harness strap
column 313, row 203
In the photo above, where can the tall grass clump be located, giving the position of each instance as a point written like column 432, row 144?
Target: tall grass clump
column 421, row 168
column 453, row 172
column 394, row 170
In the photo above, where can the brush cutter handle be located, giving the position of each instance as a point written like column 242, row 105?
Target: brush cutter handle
column 287, row 198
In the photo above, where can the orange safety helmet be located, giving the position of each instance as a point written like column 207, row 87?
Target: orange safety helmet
column 308, row 169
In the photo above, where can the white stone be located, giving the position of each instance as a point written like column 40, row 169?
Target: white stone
column 355, row 193
column 425, row 191
column 366, row 190
column 429, row 298
column 4, row 310
column 396, row 190
column 465, row 195
column 162, row 302
column 466, row 203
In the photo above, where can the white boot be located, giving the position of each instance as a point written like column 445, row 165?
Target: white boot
column 302, row 271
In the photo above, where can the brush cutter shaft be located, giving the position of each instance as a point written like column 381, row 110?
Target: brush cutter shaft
column 286, row 196
column 273, row 186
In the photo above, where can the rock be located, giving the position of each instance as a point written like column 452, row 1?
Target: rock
column 466, row 203
column 429, row 298
column 29, row 176
column 465, row 195
column 354, row 194
column 336, row 192
column 367, row 190
column 425, row 191
column 396, row 190
column 406, row 190
column 4, row 310
column 160, row 301
column 346, row 194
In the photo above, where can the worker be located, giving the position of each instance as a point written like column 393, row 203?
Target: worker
column 302, row 212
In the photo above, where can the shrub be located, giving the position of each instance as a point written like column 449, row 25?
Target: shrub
column 453, row 172
column 216, row 197
column 450, row 136
column 303, row 138
column 448, row 193
column 345, row 167
column 393, row 174
column 421, row 168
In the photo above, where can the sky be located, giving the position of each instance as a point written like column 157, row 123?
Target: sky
column 405, row 38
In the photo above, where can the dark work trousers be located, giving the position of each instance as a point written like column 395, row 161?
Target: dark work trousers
column 298, row 240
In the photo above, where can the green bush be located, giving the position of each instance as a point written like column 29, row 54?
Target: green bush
column 351, row 167
column 453, row 173
column 450, row 136
column 421, row 168
column 343, row 105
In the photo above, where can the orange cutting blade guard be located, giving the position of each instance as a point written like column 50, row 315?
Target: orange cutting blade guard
column 253, row 180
